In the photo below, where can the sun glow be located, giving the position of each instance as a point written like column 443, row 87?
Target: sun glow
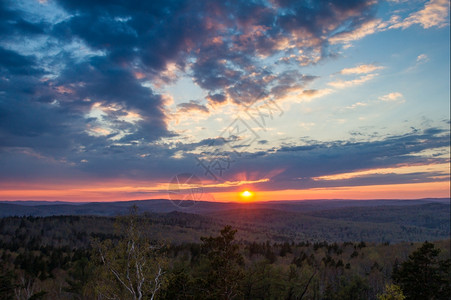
column 246, row 195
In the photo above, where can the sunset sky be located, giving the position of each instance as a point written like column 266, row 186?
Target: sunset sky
column 289, row 99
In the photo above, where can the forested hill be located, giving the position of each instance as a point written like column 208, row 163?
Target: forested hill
column 282, row 252
column 44, row 208
column 429, row 221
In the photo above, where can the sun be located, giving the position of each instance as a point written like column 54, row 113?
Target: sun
column 246, row 194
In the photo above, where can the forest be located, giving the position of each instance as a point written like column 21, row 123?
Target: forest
column 143, row 256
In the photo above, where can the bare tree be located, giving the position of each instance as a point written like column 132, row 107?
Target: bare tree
column 131, row 268
column 27, row 288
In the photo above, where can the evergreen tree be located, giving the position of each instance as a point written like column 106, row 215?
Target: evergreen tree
column 225, row 264
column 423, row 275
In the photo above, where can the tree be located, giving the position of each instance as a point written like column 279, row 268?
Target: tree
column 298, row 286
column 423, row 275
column 80, row 275
column 132, row 268
column 6, row 285
column 354, row 288
column 26, row 289
column 225, row 264
column 392, row 292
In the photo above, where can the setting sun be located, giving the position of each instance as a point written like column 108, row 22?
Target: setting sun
column 246, row 194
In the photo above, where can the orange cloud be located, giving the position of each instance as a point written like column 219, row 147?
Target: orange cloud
column 64, row 90
column 434, row 13
column 437, row 168
column 394, row 191
column 392, row 97
column 340, row 84
column 139, row 75
column 361, row 69
column 368, row 28
column 122, row 191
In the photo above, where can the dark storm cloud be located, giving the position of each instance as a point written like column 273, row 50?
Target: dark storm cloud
column 152, row 32
column 12, row 23
column 222, row 38
column 13, row 63
column 110, row 84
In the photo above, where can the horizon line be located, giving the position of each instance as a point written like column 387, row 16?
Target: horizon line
column 238, row 202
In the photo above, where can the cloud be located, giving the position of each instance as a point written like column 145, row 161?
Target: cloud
column 192, row 105
column 369, row 27
column 366, row 72
column 312, row 163
column 17, row 64
column 340, row 84
column 302, row 162
column 80, row 93
column 392, row 97
column 14, row 22
column 216, row 98
column 422, row 58
column 313, row 93
column 361, row 69
column 357, row 104
column 402, row 169
column 434, row 13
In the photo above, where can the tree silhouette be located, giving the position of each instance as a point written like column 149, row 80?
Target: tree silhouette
column 423, row 275
column 225, row 264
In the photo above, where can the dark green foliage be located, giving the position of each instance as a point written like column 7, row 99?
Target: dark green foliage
column 286, row 248
column 424, row 275
column 54, row 255
column 181, row 284
column 349, row 289
column 80, row 274
column 225, row 260
column 38, row 295
column 7, row 286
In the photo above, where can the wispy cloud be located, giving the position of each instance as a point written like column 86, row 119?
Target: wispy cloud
column 367, row 28
column 340, row 84
column 392, row 97
column 361, row 69
column 422, row 58
column 192, row 105
column 357, row 105
column 441, row 169
column 434, row 13
column 313, row 93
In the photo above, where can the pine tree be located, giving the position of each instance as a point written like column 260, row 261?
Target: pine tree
column 225, row 260
column 423, row 275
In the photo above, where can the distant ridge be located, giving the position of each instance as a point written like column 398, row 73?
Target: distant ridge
column 113, row 208
column 314, row 220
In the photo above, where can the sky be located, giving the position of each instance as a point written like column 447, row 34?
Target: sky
column 290, row 99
